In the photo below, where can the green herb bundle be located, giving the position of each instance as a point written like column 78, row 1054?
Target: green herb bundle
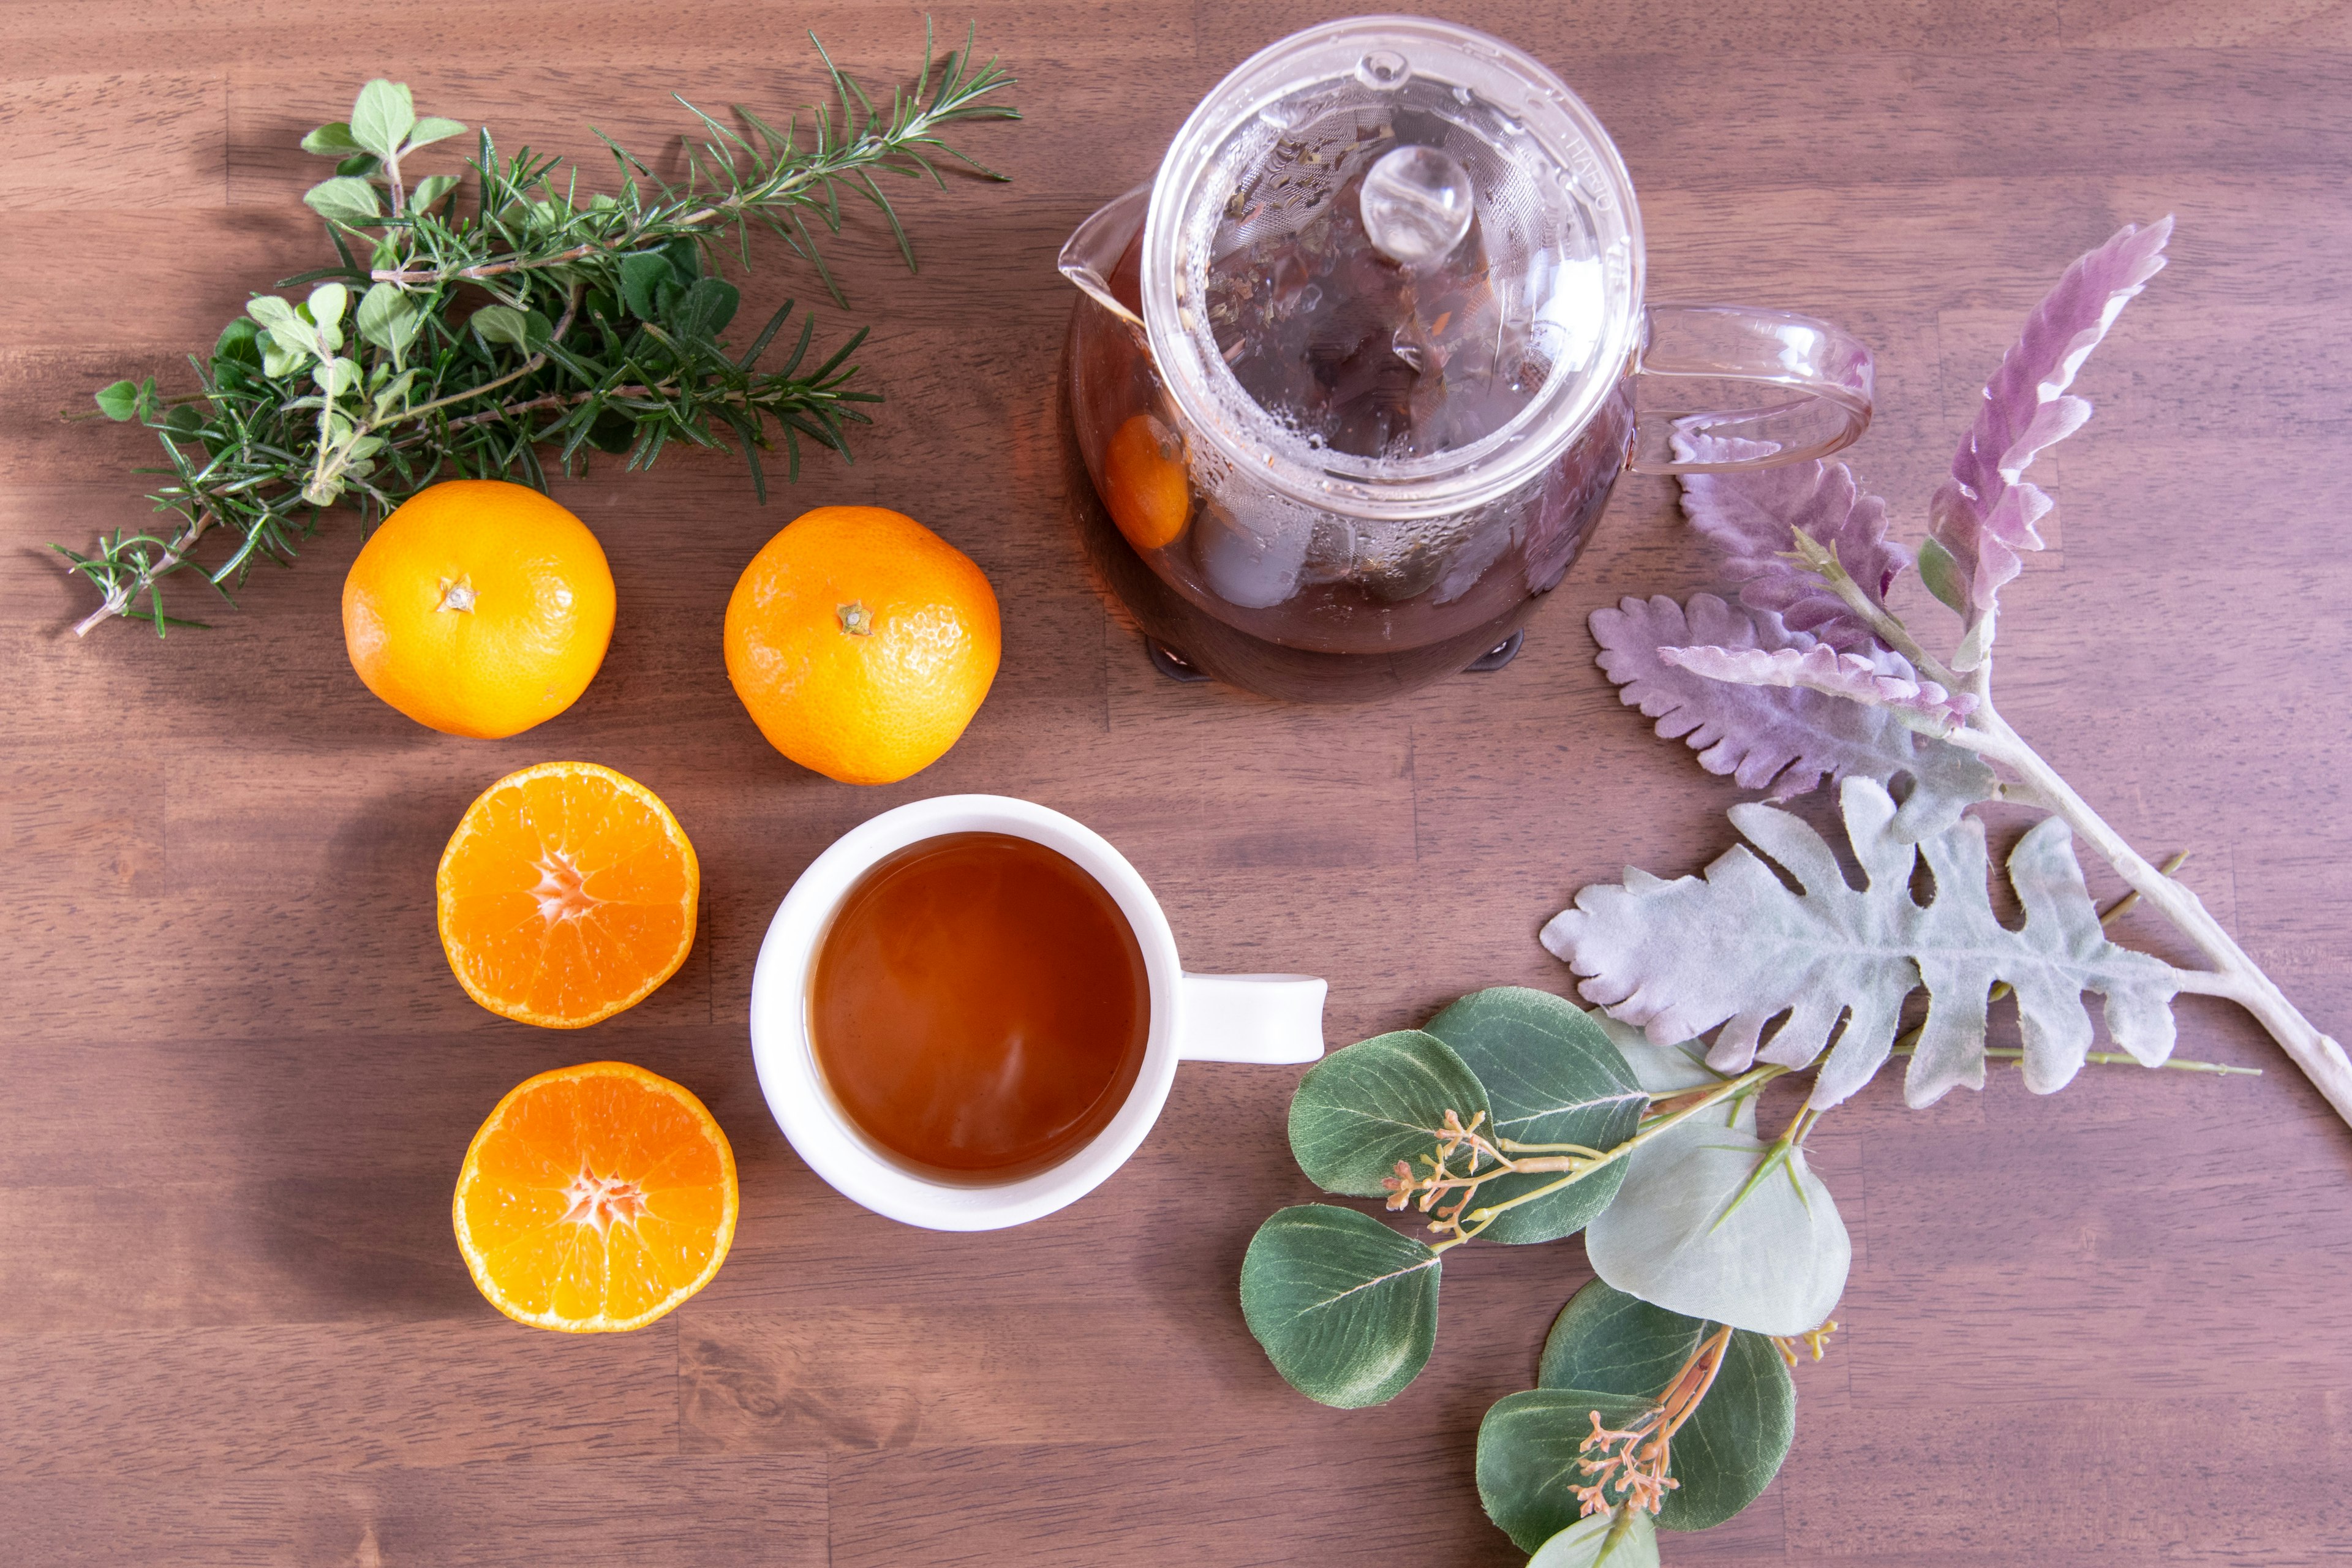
column 457, row 336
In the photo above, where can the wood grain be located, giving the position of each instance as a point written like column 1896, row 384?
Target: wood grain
column 2108, row 1327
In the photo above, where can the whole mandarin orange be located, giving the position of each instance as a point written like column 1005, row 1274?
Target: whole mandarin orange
column 1144, row 483
column 862, row 643
column 478, row 607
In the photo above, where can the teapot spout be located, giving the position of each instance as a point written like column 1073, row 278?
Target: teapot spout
column 1092, row 252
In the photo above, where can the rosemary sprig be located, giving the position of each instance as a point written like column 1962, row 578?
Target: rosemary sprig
column 469, row 340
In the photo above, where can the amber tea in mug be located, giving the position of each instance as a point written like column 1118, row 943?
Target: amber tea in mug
column 979, row 1007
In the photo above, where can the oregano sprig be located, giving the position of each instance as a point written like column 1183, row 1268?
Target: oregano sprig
column 523, row 329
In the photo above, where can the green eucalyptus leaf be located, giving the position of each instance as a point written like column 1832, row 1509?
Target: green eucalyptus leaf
column 430, row 190
column 640, row 275
column 331, row 141
column 1363, row 1109
column 1624, row 1538
column 1529, row 1449
column 1714, row 1224
column 432, row 127
column 1551, row 1076
column 1345, row 1307
column 1730, row 1449
column 502, row 324
column 705, row 308
column 348, row 202
column 1942, row 576
column 383, row 117
column 120, row 401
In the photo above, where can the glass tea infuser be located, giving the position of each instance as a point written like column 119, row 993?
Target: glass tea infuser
column 1352, row 377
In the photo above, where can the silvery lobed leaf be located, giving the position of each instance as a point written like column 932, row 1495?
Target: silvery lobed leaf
column 1738, row 948
column 1821, row 668
column 1986, row 513
column 1754, row 514
column 1701, row 1228
column 1767, row 738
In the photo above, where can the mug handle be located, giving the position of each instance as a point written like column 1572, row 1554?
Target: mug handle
column 1812, row 383
column 1275, row 1020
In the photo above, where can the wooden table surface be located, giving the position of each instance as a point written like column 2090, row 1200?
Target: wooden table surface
column 2109, row 1327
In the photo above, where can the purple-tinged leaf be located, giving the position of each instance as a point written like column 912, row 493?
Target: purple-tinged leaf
column 1753, row 515
column 1986, row 512
column 1787, row 741
column 1821, row 668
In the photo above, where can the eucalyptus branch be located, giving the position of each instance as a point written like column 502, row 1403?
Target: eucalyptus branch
column 1504, row 1158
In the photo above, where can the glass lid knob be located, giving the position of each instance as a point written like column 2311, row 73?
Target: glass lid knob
column 1417, row 205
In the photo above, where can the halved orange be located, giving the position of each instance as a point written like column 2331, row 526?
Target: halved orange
column 595, row 1199
column 566, row 895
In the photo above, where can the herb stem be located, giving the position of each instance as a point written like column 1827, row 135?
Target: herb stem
column 2235, row 975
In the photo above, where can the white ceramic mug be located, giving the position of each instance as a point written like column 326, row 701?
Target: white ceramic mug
column 1265, row 1018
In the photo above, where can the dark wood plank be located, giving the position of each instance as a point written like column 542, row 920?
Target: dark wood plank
column 2097, row 1328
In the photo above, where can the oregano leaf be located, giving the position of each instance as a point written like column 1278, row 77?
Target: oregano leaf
column 331, row 141
column 430, row 190
column 502, row 324
column 1345, row 1307
column 119, row 401
column 641, row 275
column 1713, row 1223
column 1784, row 740
column 432, row 129
column 349, row 202
column 1364, row 1108
column 1730, row 1448
column 1553, row 1075
column 1737, row 947
column 383, row 117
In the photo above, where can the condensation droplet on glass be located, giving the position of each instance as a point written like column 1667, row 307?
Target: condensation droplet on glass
column 1463, row 95
column 1310, row 296
column 1417, row 204
column 1382, row 68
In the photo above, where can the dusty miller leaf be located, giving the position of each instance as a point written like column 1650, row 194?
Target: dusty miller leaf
column 1985, row 513
column 1821, row 668
column 1345, row 1307
column 1753, row 515
column 1599, row 1542
column 1704, row 1229
column 1738, row 948
column 1786, row 741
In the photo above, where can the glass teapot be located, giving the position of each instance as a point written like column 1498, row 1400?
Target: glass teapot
column 1353, row 377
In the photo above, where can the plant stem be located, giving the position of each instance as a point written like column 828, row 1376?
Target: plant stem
column 2234, row 975
column 1755, row 1078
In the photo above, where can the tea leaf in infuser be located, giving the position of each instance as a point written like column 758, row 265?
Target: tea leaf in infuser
column 1786, row 741
column 1617, row 1540
column 1753, row 515
column 1704, row 1228
column 1553, row 1075
column 1731, row 1446
column 1985, row 513
column 1345, row 1308
column 1362, row 1109
column 1531, row 1452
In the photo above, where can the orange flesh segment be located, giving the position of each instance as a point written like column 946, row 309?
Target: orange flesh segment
column 567, row 894
column 596, row 1198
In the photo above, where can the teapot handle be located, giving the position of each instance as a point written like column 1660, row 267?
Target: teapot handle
column 1811, row 384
